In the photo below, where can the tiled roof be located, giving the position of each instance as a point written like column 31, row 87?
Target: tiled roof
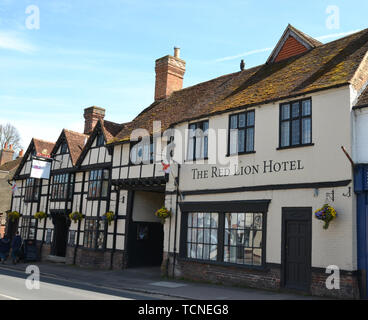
column 111, row 129
column 11, row 165
column 326, row 66
column 363, row 99
column 43, row 146
column 76, row 143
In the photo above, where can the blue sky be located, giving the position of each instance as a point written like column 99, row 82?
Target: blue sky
column 89, row 52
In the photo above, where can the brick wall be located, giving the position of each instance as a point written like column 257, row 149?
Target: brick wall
column 269, row 278
column 291, row 48
column 95, row 258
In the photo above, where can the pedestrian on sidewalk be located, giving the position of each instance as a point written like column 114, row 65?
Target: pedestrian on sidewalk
column 16, row 245
column 4, row 249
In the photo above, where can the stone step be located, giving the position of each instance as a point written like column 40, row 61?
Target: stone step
column 55, row 259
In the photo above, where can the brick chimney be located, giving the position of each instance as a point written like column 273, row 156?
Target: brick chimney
column 91, row 116
column 6, row 154
column 21, row 153
column 169, row 75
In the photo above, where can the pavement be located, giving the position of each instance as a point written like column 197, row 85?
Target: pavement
column 141, row 284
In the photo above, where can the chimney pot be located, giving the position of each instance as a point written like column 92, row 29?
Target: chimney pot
column 5, row 146
column 176, row 52
column 11, row 147
column 21, row 153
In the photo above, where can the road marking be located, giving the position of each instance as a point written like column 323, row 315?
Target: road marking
column 8, row 297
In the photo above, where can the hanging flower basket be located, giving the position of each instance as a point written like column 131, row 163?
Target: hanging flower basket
column 163, row 214
column 326, row 214
column 14, row 215
column 76, row 216
column 40, row 215
column 109, row 216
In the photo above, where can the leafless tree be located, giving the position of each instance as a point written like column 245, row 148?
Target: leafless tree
column 10, row 135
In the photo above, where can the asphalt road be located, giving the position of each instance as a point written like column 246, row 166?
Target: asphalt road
column 13, row 287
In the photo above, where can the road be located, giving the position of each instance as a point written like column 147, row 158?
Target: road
column 13, row 287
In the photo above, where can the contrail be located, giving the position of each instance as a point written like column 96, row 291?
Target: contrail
column 335, row 35
column 248, row 53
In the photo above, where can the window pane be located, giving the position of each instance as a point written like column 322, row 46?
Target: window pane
column 258, row 221
column 205, row 126
column 241, row 142
column 307, row 132
column 257, row 257
column 295, row 132
column 306, row 106
column 190, row 149
column 199, row 148
column 105, row 185
column 214, row 220
column 242, row 120
column 201, row 237
column 213, row 253
column 250, row 140
column 250, row 118
column 233, row 141
column 295, row 109
column 257, row 239
column 234, row 122
column 207, row 220
column 205, row 147
column 285, row 133
column 206, row 252
column 285, row 111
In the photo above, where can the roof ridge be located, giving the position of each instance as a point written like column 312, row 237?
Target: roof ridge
column 43, row 140
column 75, row 132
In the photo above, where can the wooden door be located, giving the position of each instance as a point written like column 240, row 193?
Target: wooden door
column 296, row 248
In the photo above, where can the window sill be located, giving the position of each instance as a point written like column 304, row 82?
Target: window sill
column 96, row 199
column 226, row 264
column 240, row 153
column 196, row 159
column 30, row 201
column 60, row 200
column 297, row 146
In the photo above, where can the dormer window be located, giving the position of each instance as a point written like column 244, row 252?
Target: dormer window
column 100, row 140
column 64, row 148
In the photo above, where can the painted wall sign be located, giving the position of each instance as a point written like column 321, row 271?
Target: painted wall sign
column 268, row 166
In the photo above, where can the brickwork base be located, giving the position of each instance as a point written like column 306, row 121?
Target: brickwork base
column 269, row 278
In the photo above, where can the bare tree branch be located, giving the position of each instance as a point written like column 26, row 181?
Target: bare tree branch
column 10, row 135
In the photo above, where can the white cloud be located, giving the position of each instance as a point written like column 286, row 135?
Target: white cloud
column 12, row 41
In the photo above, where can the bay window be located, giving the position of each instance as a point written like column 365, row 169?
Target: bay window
column 227, row 235
column 94, row 233
column 62, row 186
column 32, row 190
column 98, row 183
